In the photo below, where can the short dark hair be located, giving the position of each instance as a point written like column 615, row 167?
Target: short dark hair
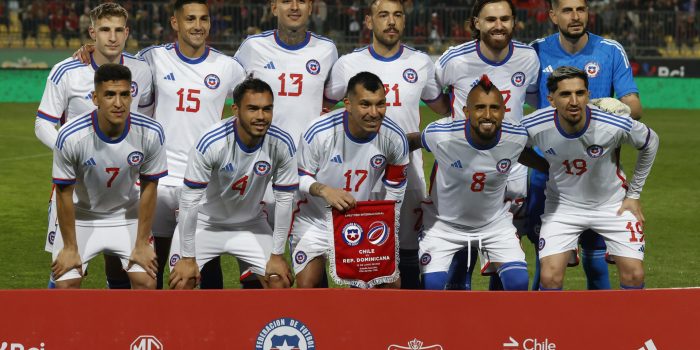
column 250, row 84
column 112, row 72
column 476, row 10
column 555, row 3
column 180, row 3
column 368, row 80
column 374, row 3
column 108, row 9
column 563, row 73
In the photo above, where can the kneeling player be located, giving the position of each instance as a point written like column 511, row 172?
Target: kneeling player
column 101, row 155
column 473, row 158
column 342, row 156
column 586, row 187
column 230, row 166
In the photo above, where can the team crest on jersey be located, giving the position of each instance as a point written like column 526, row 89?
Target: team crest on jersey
column 503, row 165
column 518, row 79
column 212, row 81
column 425, row 259
column 174, row 259
column 377, row 161
column 352, row 234
column 541, row 243
column 313, row 67
column 300, row 257
column 378, row 233
column 134, row 89
column 285, row 333
column 410, row 75
column 592, row 68
column 135, row 158
column 594, row 151
column 262, row 168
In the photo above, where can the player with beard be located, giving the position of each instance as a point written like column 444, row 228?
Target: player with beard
column 465, row 208
column 609, row 72
column 513, row 68
column 586, row 187
column 409, row 77
column 295, row 63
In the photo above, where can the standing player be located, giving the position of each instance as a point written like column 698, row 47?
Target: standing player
column 68, row 94
column 472, row 161
column 341, row 158
column 409, row 77
column 101, row 155
column 231, row 166
column 294, row 62
column 513, row 68
column 192, row 81
column 586, row 187
column 609, row 72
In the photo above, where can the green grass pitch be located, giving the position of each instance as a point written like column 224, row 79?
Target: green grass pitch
column 670, row 200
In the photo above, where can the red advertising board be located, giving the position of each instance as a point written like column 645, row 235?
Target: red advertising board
column 349, row 319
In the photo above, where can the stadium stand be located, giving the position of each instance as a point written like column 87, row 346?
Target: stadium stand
column 668, row 28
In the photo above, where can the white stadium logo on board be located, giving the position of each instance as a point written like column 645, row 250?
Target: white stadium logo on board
column 146, row 342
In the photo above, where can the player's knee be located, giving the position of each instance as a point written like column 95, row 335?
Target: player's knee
column 632, row 277
column 551, row 278
column 73, row 283
column 435, row 280
column 514, row 275
column 141, row 280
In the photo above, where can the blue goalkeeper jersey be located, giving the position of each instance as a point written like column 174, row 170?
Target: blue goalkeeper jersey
column 605, row 61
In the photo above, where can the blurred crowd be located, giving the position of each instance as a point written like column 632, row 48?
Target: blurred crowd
column 642, row 26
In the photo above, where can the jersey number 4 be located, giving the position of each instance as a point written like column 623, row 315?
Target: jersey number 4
column 240, row 185
column 191, row 95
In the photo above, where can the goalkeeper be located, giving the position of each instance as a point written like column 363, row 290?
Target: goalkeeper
column 609, row 73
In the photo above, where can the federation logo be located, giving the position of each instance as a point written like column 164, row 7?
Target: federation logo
column 378, row 233
column 134, row 89
column 285, row 333
column 52, row 237
column 313, row 67
column 135, row 158
column 262, row 168
column 592, row 68
column 541, row 243
column 377, row 161
column 410, row 75
column 503, row 165
column 174, row 259
column 212, row 81
column 425, row 259
column 594, row 151
column 518, row 79
column 352, row 234
column 300, row 257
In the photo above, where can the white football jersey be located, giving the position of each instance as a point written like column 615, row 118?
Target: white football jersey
column 104, row 170
column 335, row 158
column 408, row 77
column 236, row 176
column 460, row 67
column 584, row 168
column 468, row 181
column 70, row 85
column 190, row 95
column 295, row 73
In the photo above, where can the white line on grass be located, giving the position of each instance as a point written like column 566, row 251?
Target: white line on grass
column 26, row 157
